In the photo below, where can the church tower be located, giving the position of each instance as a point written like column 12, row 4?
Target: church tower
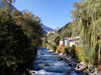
column 57, row 29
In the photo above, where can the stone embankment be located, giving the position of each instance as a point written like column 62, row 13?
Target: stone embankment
column 79, row 67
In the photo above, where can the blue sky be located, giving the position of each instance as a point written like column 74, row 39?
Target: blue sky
column 53, row 13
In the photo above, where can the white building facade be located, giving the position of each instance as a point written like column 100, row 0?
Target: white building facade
column 69, row 41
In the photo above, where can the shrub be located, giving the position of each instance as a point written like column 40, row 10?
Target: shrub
column 44, row 45
column 57, row 49
column 73, row 52
column 54, row 48
column 60, row 48
column 99, row 68
column 79, row 53
column 67, row 50
column 51, row 47
column 63, row 50
column 54, row 40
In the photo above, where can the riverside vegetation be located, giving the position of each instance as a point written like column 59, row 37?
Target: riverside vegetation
column 86, row 24
column 20, row 37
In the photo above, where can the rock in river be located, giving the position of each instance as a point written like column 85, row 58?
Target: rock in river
column 47, row 65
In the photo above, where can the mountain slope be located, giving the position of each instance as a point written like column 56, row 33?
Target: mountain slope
column 2, row 5
column 46, row 29
column 66, row 31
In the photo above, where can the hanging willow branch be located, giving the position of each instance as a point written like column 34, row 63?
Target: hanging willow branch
column 87, row 24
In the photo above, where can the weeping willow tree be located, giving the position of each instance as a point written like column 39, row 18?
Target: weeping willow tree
column 87, row 24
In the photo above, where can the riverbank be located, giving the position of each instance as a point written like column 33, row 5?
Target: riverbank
column 78, row 67
column 49, row 63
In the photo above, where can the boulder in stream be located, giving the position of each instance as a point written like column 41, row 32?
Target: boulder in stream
column 47, row 64
column 68, row 72
column 60, row 59
column 31, row 71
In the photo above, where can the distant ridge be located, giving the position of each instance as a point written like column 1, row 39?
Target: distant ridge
column 46, row 29
column 2, row 5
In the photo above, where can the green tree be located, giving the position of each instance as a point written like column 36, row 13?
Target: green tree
column 54, row 40
column 14, row 45
column 87, row 24
column 20, row 37
column 66, row 31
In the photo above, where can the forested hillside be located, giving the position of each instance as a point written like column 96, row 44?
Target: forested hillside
column 66, row 31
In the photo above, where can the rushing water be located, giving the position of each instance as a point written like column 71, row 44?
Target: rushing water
column 47, row 63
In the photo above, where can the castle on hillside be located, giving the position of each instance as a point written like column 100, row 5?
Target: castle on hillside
column 57, row 29
column 54, row 31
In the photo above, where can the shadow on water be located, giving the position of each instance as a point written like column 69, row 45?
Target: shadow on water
column 47, row 63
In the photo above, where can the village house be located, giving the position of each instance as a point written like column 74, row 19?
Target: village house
column 69, row 41
column 74, row 41
column 53, row 31
column 66, row 41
